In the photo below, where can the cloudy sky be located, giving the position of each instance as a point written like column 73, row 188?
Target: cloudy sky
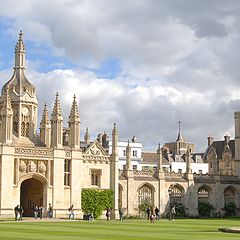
column 142, row 64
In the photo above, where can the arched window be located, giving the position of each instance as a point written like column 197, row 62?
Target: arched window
column 95, row 177
column 229, row 195
column 145, row 195
column 203, row 195
column 176, row 194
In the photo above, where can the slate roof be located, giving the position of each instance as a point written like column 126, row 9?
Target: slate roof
column 219, row 146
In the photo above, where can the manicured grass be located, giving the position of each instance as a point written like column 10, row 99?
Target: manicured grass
column 129, row 229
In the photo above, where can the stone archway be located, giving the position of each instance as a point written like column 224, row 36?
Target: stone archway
column 31, row 194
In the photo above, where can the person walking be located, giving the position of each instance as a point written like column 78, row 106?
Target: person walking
column 148, row 212
column 108, row 214
column 21, row 211
column 35, row 212
column 157, row 213
column 152, row 218
column 50, row 211
column 71, row 212
column 16, row 212
column 120, row 214
column 40, row 211
column 173, row 212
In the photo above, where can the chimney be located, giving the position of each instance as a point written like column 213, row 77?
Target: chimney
column 226, row 139
column 210, row 140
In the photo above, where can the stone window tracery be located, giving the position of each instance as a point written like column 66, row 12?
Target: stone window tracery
column 67, row 172
column 229, row 196
column 145, row 195
column 203, row 195
column 96, row 177
column 176, row 195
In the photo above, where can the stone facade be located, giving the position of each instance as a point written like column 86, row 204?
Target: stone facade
column 55, row 166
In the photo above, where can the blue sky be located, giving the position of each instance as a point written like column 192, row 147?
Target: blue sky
column 142, row 64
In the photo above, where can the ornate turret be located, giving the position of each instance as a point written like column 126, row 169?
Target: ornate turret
column 56, row 124
column 45, row 128
column 128, row 157
column 188, row 162
column 87, row 137
column 114, row 171
column 23, row 96
column 74, row 126
column 159, row 158
column 7, row 115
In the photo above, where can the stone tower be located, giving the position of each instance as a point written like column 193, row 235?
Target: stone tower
column 114, row 172
column 57, row 125
column 74, row 126
column 23, row 96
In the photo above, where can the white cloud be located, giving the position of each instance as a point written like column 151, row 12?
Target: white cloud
column 179, row 60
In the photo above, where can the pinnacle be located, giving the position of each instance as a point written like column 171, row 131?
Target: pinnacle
column 57, row 108
column 45, row 118
column 7, row 100
column 74, row 115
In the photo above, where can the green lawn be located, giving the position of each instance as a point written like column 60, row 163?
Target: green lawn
column 129, row 229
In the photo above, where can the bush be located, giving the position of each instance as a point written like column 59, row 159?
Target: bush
column 230, row 209
column 204, row 209
column 180, row 210
column 96, row 201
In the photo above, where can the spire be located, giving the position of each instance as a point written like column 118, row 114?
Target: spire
column 45, row 118
column 87, row 137
column 74, row 115
column 7, row 106
column 57, row 113
column 179, row 137
column 20, row 52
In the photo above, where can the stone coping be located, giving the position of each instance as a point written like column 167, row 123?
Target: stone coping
column 230, row 230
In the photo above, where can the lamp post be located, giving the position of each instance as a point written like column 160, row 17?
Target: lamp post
column 170, row 204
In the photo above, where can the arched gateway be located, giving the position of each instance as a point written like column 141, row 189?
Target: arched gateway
column 31, row 194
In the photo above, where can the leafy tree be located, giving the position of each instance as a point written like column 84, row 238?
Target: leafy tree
column 96, row 201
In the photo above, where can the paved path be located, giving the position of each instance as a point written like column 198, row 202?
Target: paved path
column 230, row 230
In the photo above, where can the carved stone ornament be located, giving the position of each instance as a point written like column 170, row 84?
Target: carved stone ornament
column 32, row 166
column 42, row 167
column 22, row 166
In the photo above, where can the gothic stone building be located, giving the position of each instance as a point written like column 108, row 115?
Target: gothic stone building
column 42, row 169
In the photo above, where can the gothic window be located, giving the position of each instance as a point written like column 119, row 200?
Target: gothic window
column 176, row 195
column 67, row 172
column 203, row 195
column 23, row 129
column 124, row 152
column 229, row 195
column 96, row 177
column 145, row 195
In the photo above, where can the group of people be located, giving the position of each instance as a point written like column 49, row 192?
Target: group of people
column 121, row 214
column 38, row 212
column 151, row 216
column 18, row 211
